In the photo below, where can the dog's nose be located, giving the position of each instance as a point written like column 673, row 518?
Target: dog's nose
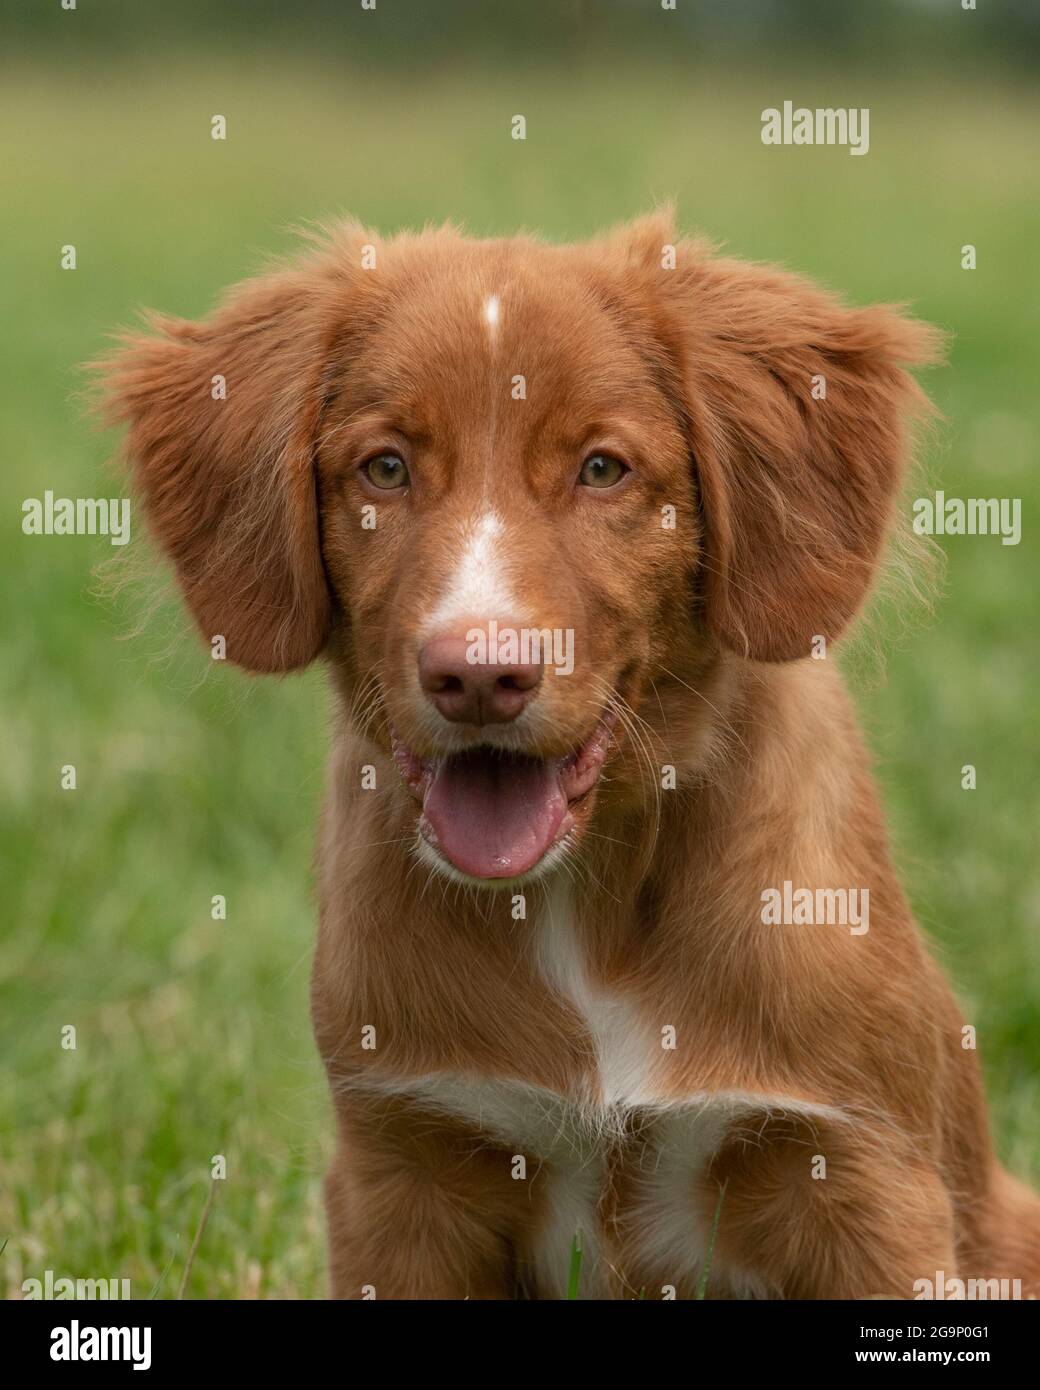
column 468, row 692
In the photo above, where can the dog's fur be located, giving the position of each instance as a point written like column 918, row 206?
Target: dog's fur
column 502, row 1081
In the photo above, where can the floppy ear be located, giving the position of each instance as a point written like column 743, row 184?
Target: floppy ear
column 224, row 472
column 798, row 408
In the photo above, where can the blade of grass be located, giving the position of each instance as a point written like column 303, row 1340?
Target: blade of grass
column 702, row 1287
column 574, row 1274
column 162, row 1277
column 198, row 1238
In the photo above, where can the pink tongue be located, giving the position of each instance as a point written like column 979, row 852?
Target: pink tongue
column 494, row 817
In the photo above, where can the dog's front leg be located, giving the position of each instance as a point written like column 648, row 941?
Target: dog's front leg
column 821, row 1211
column 417, row 1209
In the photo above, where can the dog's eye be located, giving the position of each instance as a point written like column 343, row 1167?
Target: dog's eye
column 601, row 470
column 386, row 471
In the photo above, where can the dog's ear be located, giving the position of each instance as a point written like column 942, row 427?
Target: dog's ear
column 797, row 408
column 222, row 419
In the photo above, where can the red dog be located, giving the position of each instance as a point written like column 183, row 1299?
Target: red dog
column 610, row 939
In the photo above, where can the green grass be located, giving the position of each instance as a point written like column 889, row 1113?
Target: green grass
column 709, row 1254
column 193, row 1035
column 574, row 1268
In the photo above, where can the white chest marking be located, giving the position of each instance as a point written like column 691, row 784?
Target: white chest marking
column 569, row 1139
column 628, row 1052
column 571, row 1135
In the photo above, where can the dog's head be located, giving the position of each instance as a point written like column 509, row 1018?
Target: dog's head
column 509, row 488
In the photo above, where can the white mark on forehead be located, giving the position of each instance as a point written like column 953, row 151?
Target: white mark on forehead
column 492, row 314
column 478, row 587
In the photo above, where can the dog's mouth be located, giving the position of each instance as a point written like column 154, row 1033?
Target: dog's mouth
column 495, row 814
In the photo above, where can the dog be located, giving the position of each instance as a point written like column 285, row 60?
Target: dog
column 577, row 998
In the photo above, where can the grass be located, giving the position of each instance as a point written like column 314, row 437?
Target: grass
column 192, row 1034
column 709, row 1254
column 574, row 1268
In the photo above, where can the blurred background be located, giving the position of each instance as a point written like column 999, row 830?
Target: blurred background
column 193, row 1036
